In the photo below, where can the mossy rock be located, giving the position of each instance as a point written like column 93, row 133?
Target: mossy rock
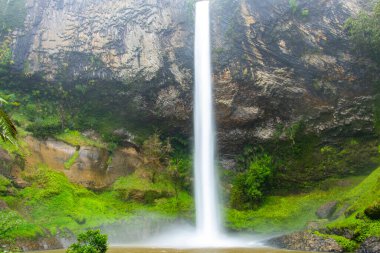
column 373, row 211
column 147, row 197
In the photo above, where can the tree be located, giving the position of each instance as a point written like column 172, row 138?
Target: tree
column 364, row 32
column 91, row 241
column 156, row 155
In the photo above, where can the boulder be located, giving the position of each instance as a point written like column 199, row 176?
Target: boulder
column 371, row 245
column 327, row 210
column 305, row 241
column 373, row 211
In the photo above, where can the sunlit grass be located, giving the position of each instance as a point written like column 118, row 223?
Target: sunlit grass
column 75, row 138
column 286, row 213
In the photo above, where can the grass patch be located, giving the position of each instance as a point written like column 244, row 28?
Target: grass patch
column 286, row 213
column 358, row 199
column 75, row 138
column 51, row 204
column 72, row 160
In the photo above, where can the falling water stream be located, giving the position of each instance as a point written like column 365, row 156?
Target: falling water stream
column 206, row 197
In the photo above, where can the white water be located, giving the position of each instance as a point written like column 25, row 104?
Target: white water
column 206, row 197
column 208, row 232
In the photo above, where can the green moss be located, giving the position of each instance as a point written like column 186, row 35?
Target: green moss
column 346, row 244
column 51, row 203
column 72, row 160
column 135, row 187
column 4, row 184
column 75, row 138
column 357, row 200
column 283, row 213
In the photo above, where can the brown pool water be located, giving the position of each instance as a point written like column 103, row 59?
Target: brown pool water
column 207, row 250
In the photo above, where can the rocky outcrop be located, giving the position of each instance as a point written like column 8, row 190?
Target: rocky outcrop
column 307, row 242
column 274, row 65
column 327, row 210
column 93, row 167
column 39, row 244
column 371, row 245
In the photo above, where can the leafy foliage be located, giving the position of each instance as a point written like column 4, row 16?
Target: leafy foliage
column 4, row 184
column 45, row 128
column 8, row 130
column 91, row 241
column 365, row 33
column 156, row 155
column 9, row 221
column 249, row 185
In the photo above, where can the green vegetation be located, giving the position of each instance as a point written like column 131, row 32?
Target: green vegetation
column 51, row 203
column 135, row 187
column 358, row 200
column 365, row 33
column 9, row 221
column 293, row 5
column 288, row 213
column 8, row 130
column 305, row 12
column 301, row 162
column 156, row 155
column 346, row 244
column 75, row 138
column 72, row 160
column 248, row 187
column 91, row 241
column 12, row 14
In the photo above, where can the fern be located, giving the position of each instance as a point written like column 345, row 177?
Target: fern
column 8, row 130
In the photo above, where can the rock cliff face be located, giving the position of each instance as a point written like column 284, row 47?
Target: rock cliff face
column 92, row 168
column 275, row 65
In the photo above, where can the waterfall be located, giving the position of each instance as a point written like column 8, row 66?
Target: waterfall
column 208, row 232
column 206, row 197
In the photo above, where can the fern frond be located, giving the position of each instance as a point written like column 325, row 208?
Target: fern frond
column 8, row 130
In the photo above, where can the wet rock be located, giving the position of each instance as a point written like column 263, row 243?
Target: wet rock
column 92, row 134
column 327, row 210
column 39, row 244
column 305, row 241
column 342, row 211
column 315, row 225
column 371, row 245
column 266, row 80
column 93, row 168
column 20, row 183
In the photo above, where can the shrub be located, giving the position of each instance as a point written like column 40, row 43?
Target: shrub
column 9, row 221
column 249, row 186
column 4, row 184
column 364, row 32
column 305, row 12
column 91, row 241
column 45, row 128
